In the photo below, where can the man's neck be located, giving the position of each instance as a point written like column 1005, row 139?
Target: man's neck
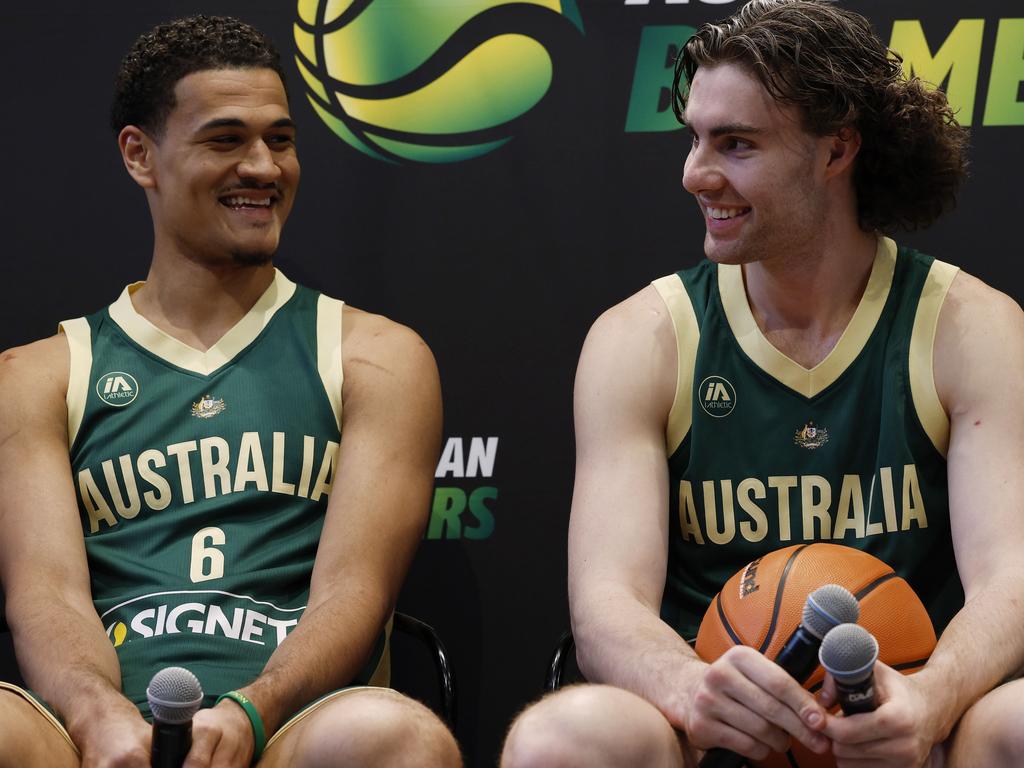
column 196, row 303
column 803, row 302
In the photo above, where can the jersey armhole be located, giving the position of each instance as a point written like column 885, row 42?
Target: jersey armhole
column 79, row 337
column 328, row 350
column 923, row 393
column 684, row 323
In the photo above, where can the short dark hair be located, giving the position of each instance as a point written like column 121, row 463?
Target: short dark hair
column 144, row 88
column 829, row 63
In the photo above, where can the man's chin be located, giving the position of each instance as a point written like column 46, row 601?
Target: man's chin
column 252, row 258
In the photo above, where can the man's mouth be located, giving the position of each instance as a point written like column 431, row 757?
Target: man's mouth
column 720, row 214
column 240, row 202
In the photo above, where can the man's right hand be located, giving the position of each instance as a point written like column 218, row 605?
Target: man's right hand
column 748, row 704
column 118, row 739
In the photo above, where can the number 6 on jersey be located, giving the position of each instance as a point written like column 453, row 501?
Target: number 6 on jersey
column 204, row 551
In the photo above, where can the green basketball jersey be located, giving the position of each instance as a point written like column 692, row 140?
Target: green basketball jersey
column 764, row 453
column 202, row 481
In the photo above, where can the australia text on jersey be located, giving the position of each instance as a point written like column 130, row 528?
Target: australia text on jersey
column 801, row 507
column 222, row 471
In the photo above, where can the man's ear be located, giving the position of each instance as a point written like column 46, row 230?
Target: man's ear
column 137, row 151
column 843, row 149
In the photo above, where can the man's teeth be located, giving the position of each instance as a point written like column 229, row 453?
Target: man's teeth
column 236, row 202
column 725, row 213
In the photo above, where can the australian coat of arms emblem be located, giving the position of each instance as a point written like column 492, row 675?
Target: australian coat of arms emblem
column 810, row 436
column 208, row 407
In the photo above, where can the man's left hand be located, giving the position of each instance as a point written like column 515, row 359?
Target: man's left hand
column 898, row 734
column 221, row 738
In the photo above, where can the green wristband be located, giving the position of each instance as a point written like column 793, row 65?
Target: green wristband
column 258, row 734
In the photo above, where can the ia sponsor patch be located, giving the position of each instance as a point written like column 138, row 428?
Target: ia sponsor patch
column 117, row 388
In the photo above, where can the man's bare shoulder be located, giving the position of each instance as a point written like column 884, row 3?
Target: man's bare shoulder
column 41, row 365
column 629, row 358
column 980, row 335
column 639, row 316
column 376, row 350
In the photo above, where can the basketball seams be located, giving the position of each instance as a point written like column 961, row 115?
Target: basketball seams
column 725, row 622
column 777, row 606
column 874, row 585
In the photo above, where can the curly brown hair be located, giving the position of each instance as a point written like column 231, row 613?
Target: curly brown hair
column 144, row 88
column 829, row 63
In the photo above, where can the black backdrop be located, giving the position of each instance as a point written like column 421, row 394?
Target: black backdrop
column 500, row 262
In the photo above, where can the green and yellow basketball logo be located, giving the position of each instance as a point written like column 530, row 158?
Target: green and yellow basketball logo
column 431, row 81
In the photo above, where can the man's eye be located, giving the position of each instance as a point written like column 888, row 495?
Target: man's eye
column 734, row 143
column 223, row 139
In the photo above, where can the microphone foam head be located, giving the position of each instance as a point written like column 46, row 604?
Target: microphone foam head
column 828, row 607
column 849, row 652
column 174, row 695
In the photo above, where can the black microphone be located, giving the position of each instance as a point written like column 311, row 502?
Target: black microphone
column 174, row 696
column 825, row 608
column 849, row 653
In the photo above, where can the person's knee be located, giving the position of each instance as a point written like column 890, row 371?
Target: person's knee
column 28, row 739
column 590, row 725
column 989, row 733
column 378, row 728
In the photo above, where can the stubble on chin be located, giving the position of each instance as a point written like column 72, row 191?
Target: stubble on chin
column 252, row 258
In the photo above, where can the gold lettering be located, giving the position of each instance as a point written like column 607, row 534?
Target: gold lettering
column 323, row 484
column 688, row 513
column 913, row 502
column 250, row 468
column 783, row 485
column 94, row 502
column 850, row 515
column 811, row 486
column 215, row 469
column 728, row 531
column 873, row 528
column 744, row 491
column 279, row 485
column 131, row 509
column 308, row 443
column 145, row 463
column 888, row 498
column 181, row 451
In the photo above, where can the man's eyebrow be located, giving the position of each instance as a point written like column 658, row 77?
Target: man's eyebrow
column 722, row 130
column 234, row 122
column 727, row 128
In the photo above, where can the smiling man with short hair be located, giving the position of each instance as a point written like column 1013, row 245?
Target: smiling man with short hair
column 222, row 470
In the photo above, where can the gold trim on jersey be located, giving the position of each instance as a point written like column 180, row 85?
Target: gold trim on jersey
column 808, row 381
column 47, row 714
column 929, row 408
column 328, row 349
column 79, row 338
column 176, row 352
column 684, row 323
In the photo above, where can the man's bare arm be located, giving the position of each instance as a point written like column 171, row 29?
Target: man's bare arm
column 63, row 652
column 979, row 376
column 375, row 517
column 618, row 550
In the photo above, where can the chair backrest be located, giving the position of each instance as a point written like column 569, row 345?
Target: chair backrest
column 562, row 668
column 447, row 701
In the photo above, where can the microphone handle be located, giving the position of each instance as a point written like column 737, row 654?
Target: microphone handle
column 798, row 657
column 171, row 743
column 857, row 697
column 719, row 757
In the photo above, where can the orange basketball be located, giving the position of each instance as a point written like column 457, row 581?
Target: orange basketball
column 762, row 604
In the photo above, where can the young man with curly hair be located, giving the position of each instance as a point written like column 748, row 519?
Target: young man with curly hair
column 222, row 470
column 811, row 380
